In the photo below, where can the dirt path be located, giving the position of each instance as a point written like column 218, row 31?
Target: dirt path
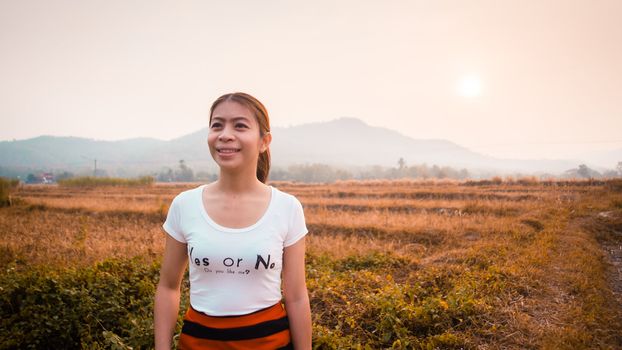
column 582, row 302
column 610, row 238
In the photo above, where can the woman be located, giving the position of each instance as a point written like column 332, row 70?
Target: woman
column 238, row 235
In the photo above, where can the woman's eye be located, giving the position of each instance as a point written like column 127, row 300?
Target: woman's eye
column 215, row 125
column 240, row 125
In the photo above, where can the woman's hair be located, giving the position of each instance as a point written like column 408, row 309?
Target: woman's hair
column 261, row 115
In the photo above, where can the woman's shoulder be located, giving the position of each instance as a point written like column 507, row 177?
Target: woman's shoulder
column 188, row 194
column 285, row 197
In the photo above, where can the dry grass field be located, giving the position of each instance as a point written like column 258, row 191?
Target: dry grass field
column 402, row 264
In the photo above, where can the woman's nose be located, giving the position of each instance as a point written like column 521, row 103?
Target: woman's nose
column 225, row 134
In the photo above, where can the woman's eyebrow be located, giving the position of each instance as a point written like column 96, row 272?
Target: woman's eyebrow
column 234, row 119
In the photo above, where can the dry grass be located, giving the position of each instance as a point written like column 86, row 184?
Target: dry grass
column 547, row 283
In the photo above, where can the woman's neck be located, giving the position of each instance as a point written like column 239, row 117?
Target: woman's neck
column 238, row 182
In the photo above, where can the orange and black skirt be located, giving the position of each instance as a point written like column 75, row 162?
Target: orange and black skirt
column 263, row 329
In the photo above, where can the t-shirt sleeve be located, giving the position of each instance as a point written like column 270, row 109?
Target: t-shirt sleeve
column 172, row 224
column 297, row 225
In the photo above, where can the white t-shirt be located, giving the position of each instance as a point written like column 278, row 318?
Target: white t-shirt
column 235, row 271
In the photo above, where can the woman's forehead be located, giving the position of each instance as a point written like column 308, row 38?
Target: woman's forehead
column 230, row 110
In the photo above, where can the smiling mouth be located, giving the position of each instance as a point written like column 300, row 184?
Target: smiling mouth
column 227, row 150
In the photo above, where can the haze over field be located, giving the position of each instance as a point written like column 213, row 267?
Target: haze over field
column 363, row 148
column 511, row 79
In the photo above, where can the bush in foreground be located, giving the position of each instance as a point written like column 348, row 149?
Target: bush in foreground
column 108, row 305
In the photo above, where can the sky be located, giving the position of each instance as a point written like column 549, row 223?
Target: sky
column 518, row 79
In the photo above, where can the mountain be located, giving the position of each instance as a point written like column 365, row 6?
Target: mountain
column 342, row 142
column 351, row 142
column 54, row 151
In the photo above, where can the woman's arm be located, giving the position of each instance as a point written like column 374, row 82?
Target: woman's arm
column 167, row 293
column 296, row 296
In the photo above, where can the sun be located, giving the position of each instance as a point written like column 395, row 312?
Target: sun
column 469, row 86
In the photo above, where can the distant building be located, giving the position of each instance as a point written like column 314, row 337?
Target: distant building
column 47, row 178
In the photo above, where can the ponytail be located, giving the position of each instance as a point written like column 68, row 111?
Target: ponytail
column 263, row 166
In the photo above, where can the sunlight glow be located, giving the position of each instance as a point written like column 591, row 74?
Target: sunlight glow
column 469, row 86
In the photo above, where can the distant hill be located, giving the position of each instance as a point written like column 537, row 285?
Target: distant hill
column 349, row 141
column 342, row 142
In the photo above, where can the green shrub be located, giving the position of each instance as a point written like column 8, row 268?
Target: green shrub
column 89, row 181
column 107, row 305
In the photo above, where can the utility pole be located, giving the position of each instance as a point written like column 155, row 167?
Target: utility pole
column 94, row 164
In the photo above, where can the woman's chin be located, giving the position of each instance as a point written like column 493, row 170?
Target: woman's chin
column 230, row 166
column 226, row 161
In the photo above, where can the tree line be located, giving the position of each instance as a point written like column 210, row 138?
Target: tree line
column 318, row 172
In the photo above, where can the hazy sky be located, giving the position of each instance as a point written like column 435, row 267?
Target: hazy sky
column 528, row 78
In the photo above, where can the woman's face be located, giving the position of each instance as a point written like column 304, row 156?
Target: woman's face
column 233, row 138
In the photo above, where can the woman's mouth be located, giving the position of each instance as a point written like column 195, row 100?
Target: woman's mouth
column 227, row 150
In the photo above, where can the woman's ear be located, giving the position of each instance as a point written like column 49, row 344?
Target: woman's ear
column 265, row 141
